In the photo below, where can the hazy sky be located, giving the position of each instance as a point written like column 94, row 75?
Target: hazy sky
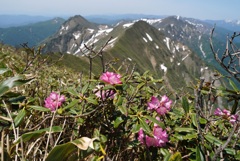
column 201, row 9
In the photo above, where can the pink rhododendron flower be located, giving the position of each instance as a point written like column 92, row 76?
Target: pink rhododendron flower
column 162, row 110
column 103, row 93
column 218, row 112
column 234, row 118
column 111, row 78
column 225, row 114
column 54, row 101
column 161, row 107
column 153, row 104
column 160, row 136
column 159, row 139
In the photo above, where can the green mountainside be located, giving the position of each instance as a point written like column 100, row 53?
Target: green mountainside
column 147, row 47
column 33, row 34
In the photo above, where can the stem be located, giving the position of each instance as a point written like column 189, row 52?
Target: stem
column 9, row 114
column 64, row 122
column 2, row 145
column 29, row 150
column 14, row 129
column 220, row 148
column 90, row 68
column 50, row 130
column 22, row 149
column 199, row 105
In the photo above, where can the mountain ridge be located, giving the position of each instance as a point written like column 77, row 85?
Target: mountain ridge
column 32, row 34
column 137, row 43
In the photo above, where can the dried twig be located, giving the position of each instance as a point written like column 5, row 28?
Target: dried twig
column 221, row 148
column 230, row 59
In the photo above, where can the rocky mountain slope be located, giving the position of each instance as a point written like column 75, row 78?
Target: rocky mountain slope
column 137, row 42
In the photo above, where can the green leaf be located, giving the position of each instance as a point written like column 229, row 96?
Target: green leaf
column 84, row 89
column 234, row 107
column 108, row 87
column 73, row 92
column 64, row 151
column 123, row 110
column 194, row 119
column 92, row 100
column 17, row 99
column 199, row 154
column 179, row 137
column 40, row 108
column 10, row 83
column 119, row 100
column 145, row 126
column 19, row 118
column 159, row 123
column 117, row 122
column 3, row 70
column 185, row 104
column 176, row 157
column 233, row 85
column 230, row 151
column 139, row 86
column 184, row 129
column 135, row 128
column 190, row 136
column 164, row 152
column 36, row 134
column 237, row 157
column 213, row 140
column 167, row 157
column 70, row 105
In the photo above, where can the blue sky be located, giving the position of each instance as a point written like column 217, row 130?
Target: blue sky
column 201, row 9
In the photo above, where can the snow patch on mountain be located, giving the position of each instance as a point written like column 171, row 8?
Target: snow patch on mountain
column 167, row 41
column 112, row 42
column 63, row 28
column 104, row 31
column 163, row 67
column 152, row 21
column 145, row 39
column 90, row 30
column 149, row 37
column 199, row 37
column 77, row 35
column 194, row 24
column 185, row 57
column 127, row 25
column 204, row 54
column 203, row 68
column 177, row 47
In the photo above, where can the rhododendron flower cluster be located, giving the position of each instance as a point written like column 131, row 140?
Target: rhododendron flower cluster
column 111, row 78
column 54, row 101
column 162, row 106
column 225, row 114
column 103, row 94
column 159, row 139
